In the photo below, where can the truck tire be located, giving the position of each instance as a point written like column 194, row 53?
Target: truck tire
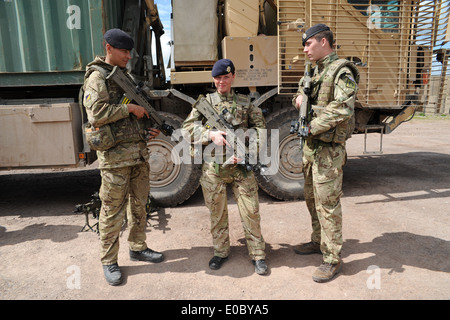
column 287, row 183
column 171, row 181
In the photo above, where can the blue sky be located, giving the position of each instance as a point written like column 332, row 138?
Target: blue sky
column 165, row 9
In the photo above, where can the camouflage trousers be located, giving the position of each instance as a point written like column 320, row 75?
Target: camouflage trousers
column 322, row 169
column 214, row 182
column 124, row 191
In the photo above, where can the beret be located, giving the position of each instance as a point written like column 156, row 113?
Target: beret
column 313, row 31
column 119, row 39
column 223, row 66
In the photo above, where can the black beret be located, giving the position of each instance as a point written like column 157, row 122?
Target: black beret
column 223, row 66
column 119, row 39
column 313, row 31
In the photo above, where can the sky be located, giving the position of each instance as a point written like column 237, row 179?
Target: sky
column 165, row 9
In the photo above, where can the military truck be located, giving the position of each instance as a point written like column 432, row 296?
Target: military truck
column 45, row 46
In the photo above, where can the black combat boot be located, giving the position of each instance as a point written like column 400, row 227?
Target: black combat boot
column 146, row 255
column 216, row 262
column 260, row 266
column 112, row 274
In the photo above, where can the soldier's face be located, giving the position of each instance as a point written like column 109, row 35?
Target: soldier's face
column 315, row 50
column 223, row 82
column 117, row 57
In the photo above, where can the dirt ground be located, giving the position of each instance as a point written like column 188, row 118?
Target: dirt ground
column 396, row 235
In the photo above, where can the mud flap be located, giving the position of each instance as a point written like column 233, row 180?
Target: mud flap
column 403, row 116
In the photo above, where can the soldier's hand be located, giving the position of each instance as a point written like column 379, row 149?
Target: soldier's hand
column 218, row 137
column 138, row 111
column 153, row 133
column 298, row 101
column 238, row 160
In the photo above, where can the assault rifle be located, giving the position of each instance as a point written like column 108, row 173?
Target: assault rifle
column 301, row 126
column 135, row 93
column 220, row 122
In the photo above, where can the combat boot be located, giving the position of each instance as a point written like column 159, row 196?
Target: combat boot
column 146, row 255
column 112, row 274
column 260, row 267
column 326, row 271
column 308, row 248
column 216, row 262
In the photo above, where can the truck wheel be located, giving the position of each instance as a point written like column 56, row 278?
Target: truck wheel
column 287, row 183
column 171, row 181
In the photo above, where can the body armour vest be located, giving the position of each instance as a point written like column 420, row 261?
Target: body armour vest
column 323, row 94
column 129, row 129
column 238, row 106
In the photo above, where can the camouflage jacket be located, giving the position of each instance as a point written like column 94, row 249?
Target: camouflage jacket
column 245, row 115
column 334, row 88
column 101, row 100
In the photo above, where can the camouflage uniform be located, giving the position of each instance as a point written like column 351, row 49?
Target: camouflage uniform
column 215, row 177
column 124, row 167
column 324, row 155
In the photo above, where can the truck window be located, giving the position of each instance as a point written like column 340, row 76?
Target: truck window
column 383, row 15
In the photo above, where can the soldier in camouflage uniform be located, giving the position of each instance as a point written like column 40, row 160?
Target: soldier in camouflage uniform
column 334, row 87
column 216, row 176
column 124, row 166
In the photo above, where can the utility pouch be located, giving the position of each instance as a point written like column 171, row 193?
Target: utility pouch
column 327, row 136
column 99, row 139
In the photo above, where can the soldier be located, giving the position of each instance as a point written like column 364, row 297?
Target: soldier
column 124, row 166
column 334, row 87
column 216, row 176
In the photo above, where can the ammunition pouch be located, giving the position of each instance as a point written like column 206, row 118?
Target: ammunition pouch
column 339, row 134
column 99, row 139
column 323, row 91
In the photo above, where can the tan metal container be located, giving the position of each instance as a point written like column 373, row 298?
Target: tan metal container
column 254, row 59
column 33, row 134
column 195, row 26
column 241, row 18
